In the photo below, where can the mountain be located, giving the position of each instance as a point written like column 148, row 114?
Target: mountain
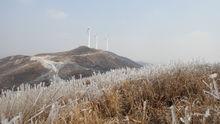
column 80, row 62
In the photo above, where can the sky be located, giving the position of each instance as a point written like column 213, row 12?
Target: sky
column 153, row 31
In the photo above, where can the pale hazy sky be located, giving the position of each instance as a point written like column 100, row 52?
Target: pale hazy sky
column 155, row 31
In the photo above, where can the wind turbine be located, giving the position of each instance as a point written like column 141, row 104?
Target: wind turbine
column 96, row 41
column 89, row 36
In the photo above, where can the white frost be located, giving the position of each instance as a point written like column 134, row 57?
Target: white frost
column 47, row 63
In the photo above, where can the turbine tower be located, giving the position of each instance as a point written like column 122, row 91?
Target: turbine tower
column 96, row 41
column 89, row 37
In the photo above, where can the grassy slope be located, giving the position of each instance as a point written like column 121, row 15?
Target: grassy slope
column 146, row 97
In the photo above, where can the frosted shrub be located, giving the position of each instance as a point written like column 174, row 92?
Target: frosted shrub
column 54, row 112
column 173, row 115
column 213, row 87
column 37, row 99
column 188, row 116
column 15, row 120
column 65, row 99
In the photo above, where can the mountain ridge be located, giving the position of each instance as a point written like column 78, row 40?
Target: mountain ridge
column 79, row 62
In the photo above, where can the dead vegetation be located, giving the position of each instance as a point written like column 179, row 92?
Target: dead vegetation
column 175, row 95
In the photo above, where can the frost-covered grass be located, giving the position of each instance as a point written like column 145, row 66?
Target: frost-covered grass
column 175, row 93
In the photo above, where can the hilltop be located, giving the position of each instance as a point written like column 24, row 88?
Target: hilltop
column 79, row 62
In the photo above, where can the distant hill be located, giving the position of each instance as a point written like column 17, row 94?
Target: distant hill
column 144, row 63
column 80, row 62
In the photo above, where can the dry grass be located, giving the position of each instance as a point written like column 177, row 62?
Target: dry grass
column 148, row 99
